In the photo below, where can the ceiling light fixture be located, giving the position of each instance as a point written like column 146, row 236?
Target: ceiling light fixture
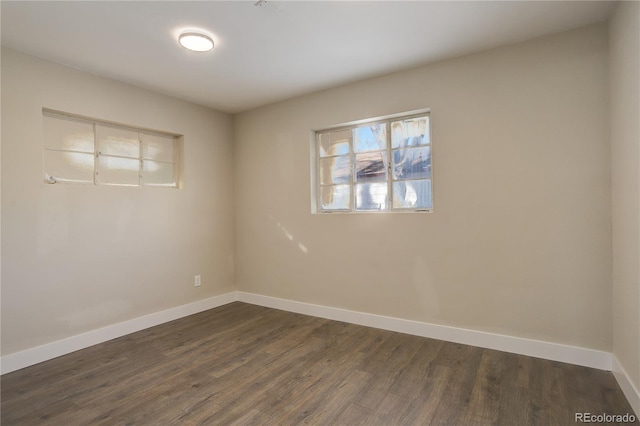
column 198, row 42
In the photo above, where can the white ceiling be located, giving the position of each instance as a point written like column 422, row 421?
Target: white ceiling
column 278, row 50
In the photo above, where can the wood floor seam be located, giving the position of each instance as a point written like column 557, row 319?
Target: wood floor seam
column 244, row 364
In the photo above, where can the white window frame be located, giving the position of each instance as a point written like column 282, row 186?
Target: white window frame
column 177, row 139
column 317, row 184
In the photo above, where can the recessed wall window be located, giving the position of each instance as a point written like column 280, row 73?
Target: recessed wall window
column 383, row 165
column 80, row 150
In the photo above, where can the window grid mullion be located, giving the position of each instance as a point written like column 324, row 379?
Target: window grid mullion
column 151, row 159
column 389, row 174
column 329, row 156
column 352, row 201
column 353, row 183
column 98, row 168
column 73, row 151
column 118, row 156
column 319, row 190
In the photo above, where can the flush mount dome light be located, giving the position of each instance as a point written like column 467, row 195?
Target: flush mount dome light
column 197, row 42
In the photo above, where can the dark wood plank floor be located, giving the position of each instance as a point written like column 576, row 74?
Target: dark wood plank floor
column 242, row 364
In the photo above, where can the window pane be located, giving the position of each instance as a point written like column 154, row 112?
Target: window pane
column 159, row 148
column 118, row 171
column 412, row 194
column 411, row 132
column 371, row 167
column 335, row 197
column 68, row 166
column 371, row 196
column 114, row 141
column 335, row 143
column 158, row 174
column 370, row 138
column 335, row 170
column 412, row 163
column 67, row 134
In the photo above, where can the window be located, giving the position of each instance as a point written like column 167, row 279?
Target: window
column 79, row 150
column 379, row 166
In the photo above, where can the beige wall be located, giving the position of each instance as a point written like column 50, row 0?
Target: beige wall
column 519, row 243
column 625, row 155
column 76, row 258
column 520, row 240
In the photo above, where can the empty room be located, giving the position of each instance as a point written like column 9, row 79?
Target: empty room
column 330, row 213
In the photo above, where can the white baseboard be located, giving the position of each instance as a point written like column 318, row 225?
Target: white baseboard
column 627, row 386
column 18, row 360
column 535, row 348
column 539, row 349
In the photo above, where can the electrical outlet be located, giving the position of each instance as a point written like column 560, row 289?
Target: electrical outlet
column 197, row 281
